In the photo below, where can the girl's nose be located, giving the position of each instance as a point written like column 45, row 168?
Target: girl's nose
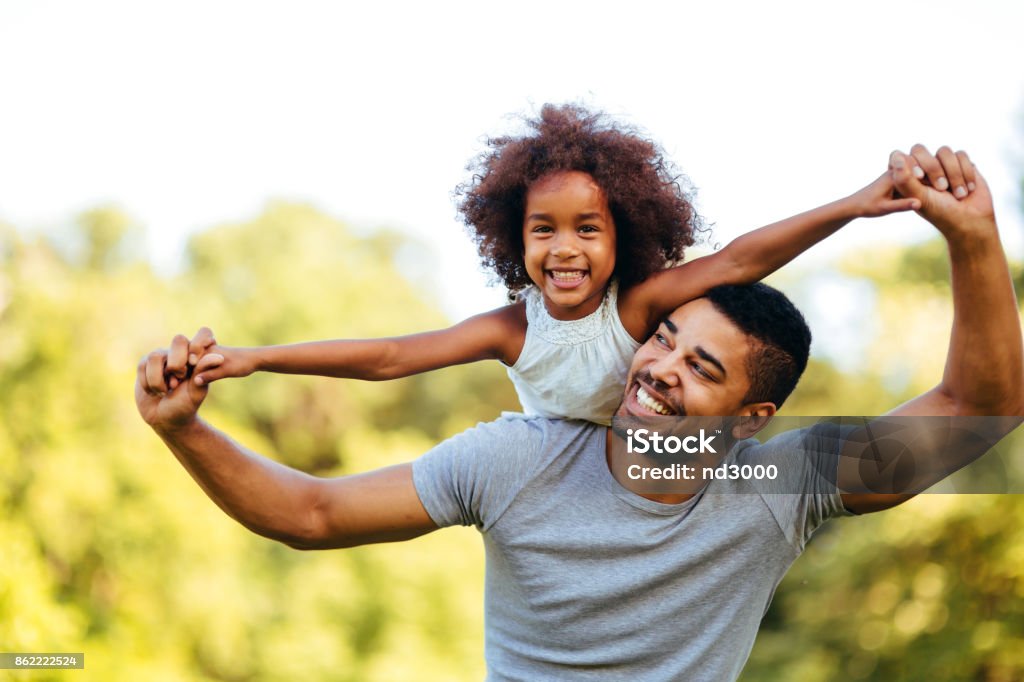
column 564, row 248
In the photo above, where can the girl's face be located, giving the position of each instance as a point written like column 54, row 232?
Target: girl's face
column 569, row 242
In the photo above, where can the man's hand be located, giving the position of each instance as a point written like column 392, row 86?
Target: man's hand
column 877, row 199
column 166, row 399
column 234, row 362
column 954, row 196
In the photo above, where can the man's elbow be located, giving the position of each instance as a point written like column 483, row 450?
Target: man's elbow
column 305, row 531
column 311, row 533
column 990, row 401
column 991, row 417
column 309, row 540
column 319, row 527
column 1002, row 406
column 302, row 545
column 1005, row 399
column 295, row 538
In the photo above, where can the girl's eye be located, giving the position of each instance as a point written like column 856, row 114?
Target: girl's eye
column 542, row 229
column 588, row 229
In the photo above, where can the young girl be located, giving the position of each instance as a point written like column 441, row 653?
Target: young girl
column 580, row 218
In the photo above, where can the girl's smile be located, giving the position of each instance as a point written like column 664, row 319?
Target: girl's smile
column 569, row 243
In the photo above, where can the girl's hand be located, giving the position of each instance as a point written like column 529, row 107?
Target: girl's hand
column 880, row 198
column 235, row 362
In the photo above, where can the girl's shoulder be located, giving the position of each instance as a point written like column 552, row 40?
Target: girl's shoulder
column 507, row 328
column 512, row 315
column 634, row 308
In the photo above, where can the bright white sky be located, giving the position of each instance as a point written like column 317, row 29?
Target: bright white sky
column 190, row 114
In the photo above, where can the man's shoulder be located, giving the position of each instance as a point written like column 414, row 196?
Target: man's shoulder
column 794, row 436
column 513, row 425
column 473, row 477
column 519, row 437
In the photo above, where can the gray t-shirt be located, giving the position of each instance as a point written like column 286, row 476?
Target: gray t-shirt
column 586, row 580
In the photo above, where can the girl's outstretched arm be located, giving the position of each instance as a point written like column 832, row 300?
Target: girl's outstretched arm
column 752, row 256
column 495, row 335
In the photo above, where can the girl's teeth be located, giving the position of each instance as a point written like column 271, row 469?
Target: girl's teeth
column 567, row 276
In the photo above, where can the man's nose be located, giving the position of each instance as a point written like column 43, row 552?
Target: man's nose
column 666, row 370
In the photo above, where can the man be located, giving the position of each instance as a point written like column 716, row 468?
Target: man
column 585, row 578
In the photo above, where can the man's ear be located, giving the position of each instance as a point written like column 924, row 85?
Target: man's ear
column 752, row 418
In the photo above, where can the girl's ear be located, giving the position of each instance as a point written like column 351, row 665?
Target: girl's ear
column 752, row 418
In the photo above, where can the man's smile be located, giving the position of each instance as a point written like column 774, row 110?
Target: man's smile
column 645, row 399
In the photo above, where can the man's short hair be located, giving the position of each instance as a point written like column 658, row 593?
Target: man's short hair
column 780, row 338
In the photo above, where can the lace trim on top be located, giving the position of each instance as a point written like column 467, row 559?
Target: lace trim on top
column 569, row 332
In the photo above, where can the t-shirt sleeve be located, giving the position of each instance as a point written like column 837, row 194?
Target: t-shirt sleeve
column 472, row 478
column 805, row 494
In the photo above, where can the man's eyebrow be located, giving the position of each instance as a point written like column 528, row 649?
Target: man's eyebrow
column 704, row 355
column 670, row 325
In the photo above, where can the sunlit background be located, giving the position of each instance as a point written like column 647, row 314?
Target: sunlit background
column 309, row 152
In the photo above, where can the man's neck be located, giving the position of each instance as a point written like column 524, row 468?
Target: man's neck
column 618, row 474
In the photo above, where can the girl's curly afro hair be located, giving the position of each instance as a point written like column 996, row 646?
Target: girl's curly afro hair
column 654, row 219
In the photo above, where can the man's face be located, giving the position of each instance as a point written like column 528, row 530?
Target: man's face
column 695, row 364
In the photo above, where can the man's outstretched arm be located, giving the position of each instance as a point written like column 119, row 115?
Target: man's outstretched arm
column 269, row 498
column 984, row 372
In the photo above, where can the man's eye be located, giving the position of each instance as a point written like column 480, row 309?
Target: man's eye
column 701, row 371
column 660, row 338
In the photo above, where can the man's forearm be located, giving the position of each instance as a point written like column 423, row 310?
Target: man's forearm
column 983, row 373
column 267, row 497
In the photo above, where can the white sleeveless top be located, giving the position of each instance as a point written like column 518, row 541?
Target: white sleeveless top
column 573, row 369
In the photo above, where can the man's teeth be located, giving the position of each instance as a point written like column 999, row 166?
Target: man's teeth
column 567, row 276
column 645, row 399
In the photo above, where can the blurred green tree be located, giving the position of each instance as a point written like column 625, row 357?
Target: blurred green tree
column 109, row 548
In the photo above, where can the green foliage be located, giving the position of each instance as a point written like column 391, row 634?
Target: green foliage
column 108, row 547
column 106, row 232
